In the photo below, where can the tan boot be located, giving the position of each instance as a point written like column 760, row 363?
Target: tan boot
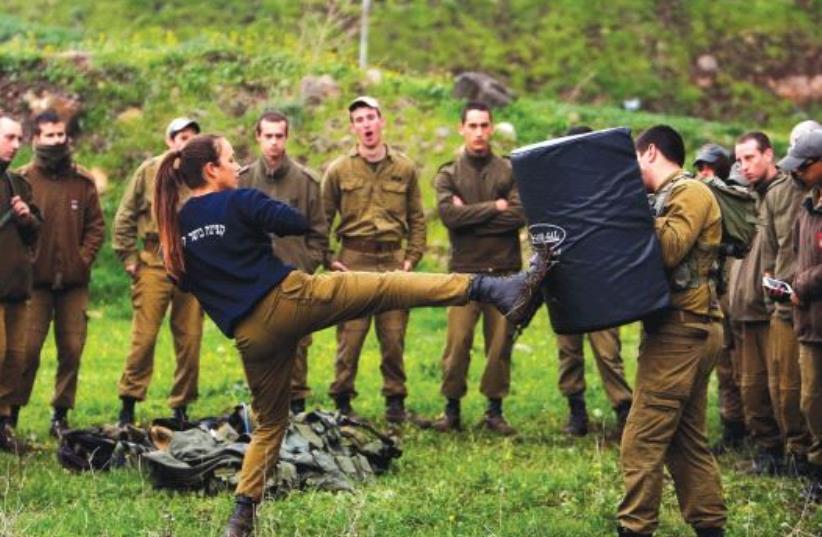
column 496, row 423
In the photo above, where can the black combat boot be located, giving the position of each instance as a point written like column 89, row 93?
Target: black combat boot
column 625, row 532
column 15, row 416
column 733, row 437
column 494, row 421
column 797, row 465
column 126, row 412
column 710, row 532
column 450, row 420
column 578, row 418
column 343, row 403
column 297, row 406
column 59, row 422
column 517, row 296
column 241, row 522
column 8, row 442
column 768, row 462
column 181, row 416
column 813, row 492
column 395, row 409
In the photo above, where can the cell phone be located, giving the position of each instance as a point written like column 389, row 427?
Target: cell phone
column 777, row 286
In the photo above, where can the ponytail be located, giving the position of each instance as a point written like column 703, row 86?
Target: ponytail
column 166, row 201
column 180, row 169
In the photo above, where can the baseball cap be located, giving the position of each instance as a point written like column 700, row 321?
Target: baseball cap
column 179, row 124
column 807, row 146
column 370, row 102
column 711, row 154
column 801, row 128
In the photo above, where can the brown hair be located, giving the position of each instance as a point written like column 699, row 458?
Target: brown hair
column 762, row 141
column 178, row 168
column 272, row 116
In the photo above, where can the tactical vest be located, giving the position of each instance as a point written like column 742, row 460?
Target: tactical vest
column 692, row 272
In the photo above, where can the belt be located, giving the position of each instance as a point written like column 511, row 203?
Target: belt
column 688, row 317
column 370, row 247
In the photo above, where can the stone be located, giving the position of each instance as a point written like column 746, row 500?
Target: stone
column 318, row 89
column 476, row 86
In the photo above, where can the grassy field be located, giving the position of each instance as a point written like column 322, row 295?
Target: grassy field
column 539, row 483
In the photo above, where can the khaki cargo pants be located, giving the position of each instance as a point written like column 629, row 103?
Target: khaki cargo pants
column 456, row 358
column 299, row 373
column 13, row 323
column 810, row 363
column 666, row 428
column 727, row 373
column 390, row 327
column 302, row 304
column 606, row 346
column 67, row 307
column 785, row 386
column 152, row 293
column 757, row 374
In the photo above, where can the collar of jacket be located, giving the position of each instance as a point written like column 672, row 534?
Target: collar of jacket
column 484, row 160
column 277, row 173
column 679, row 174
column 813, row 203
column 354, row 153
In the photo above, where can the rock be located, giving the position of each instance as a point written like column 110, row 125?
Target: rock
column 100, row 179
column 799, row 89
column 475, row 86
column 317, row 89
column 632, row 105
column 130, row 114
column 373, row 77
column 707, row 64
column 67, row 107
column 506, row 131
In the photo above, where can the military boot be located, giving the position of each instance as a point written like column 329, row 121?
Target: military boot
column 797, row 465
column 395, row 409
column 517, row 296
column 343, row 403
column 495, row 422
column 710, row 532
column 59, row 422
column 625, row 532
column 8, row 442
column 241, row 522
column 297, row 406
column 768, row 462
column 126, row 412
column 15, row 415
column 450, row 420
column 181, row 416
column 578, row 418
column 733, row 437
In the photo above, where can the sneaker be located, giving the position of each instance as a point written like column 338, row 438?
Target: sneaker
column 496, row 423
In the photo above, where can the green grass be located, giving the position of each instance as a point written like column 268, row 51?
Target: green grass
column 539, row 483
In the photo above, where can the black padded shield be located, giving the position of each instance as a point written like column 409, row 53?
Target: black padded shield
column 584, row 196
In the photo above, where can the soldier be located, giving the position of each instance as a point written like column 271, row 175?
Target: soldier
column 285, row 179
column 479, row 204
column 70, row 237
column 781, row 208
column 713, row 162
column 804, row 160
column 374, row 188
column 666, row 425
column 606, row 346
column 19, row 223
column 747, row 306
column 135, row 241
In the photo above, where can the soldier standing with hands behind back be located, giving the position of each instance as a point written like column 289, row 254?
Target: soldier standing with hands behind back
column 375, row 190
column 479, row 204
column 70, row 237
column 136, row 243
column 276, row 174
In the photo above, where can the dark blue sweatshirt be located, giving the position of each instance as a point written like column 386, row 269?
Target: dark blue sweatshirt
column 229, row 263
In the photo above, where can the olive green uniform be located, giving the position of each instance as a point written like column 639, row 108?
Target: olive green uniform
column 300, row 188
column 727, row 365
column 298, row 306
column 18, row 240
column 781, row 207
column 606, row 346
column 135, row 241
column 380, row 207
column 483, row 240
column 748, row 308
column 70, row 237
column 666, row 425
